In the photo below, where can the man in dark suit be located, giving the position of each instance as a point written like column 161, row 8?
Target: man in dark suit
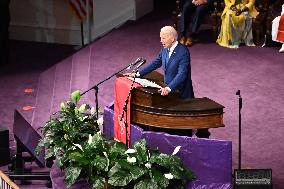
column 196, row 8
column 175, row 61
column 4, row 31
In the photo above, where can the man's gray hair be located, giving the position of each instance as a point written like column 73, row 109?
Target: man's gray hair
column 170, row 30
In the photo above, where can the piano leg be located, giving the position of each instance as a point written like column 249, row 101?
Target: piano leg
column 203, row 133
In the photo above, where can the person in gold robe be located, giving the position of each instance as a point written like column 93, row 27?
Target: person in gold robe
column 236, row 25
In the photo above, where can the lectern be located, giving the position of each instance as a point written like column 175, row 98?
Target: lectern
column 151, row 109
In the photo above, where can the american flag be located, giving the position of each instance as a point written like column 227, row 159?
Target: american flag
column 80, row 7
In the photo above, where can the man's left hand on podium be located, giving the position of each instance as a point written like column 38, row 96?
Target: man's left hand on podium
column 131, row 74
column 165, row 91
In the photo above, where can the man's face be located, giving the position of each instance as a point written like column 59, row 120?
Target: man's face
column 167, row 40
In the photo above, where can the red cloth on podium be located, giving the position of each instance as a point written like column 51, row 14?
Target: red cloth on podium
column 121, row 90
column 280, row 35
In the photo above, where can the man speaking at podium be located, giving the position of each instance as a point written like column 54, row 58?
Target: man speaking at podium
column 175, row 61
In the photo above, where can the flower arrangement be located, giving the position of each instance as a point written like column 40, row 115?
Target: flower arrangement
column 148, row 168
column 72, row 137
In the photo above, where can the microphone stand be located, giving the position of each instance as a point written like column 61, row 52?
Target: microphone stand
column 96, row 88
column 124, row 109
column 240, row 124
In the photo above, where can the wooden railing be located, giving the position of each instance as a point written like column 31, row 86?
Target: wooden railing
column 6, row 183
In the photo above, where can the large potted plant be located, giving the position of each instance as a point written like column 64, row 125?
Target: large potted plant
column 72, row 137
column 145, row 168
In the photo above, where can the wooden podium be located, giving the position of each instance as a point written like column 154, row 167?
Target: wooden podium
column 150, row 109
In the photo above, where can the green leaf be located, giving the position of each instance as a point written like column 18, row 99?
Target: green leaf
column 141, row 150
column 119, row 174
column 76, row 96
column 117, row 151
column 82, row 108
column 161, row 159
column 121, row 178
column 137, row 172
column 120, row 165
column 71, row 175
column 76, row 110
column 159, row 178
column 100, row 163
column 146, row 184
column 78, row 157
column 98, row 182
column 49, row 154
column 118, row 147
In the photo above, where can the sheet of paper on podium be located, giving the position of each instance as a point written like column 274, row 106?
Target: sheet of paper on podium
column 145, row 82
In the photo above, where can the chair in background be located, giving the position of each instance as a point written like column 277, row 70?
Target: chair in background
column 213, row 18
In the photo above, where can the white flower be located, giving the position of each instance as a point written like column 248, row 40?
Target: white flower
column 93, row 111
column 148, row 165
column 130, row 151
column 105, row 154
column 65, row 136
column 169, row 176
column 73, row 148
column 90, row 139
column 176, row 150
column 131, row 159
column 100, row 121
column 62, row 106
column 79, row 146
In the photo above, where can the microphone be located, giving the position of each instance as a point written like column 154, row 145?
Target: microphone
column 134, row 63
column 143, row 61
column 240, row 99
column 238, row 92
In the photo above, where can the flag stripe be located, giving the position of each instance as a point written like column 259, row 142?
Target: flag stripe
column 79, row 7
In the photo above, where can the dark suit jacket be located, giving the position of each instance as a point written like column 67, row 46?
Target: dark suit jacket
column 177, row 71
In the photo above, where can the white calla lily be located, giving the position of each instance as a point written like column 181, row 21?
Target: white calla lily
column 176, row 150
column 131, row 159
column 65, row 136
column 79, row 146
column 130, row 151
column 90, row 139
column 169, row 176
column 148, row 165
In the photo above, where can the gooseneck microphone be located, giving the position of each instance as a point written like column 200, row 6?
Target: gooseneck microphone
column 138, row 60
column 143, row 61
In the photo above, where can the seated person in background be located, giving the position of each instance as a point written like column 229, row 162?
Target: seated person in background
column 199, row 8
column 236, row 25
column 278, row 29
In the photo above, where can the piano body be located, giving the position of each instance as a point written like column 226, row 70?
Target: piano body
column 150, row 109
